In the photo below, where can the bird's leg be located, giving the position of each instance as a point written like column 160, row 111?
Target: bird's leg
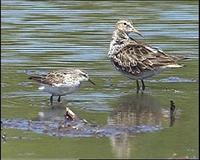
column 138, row 86
column 59, row 98
column 143, row 86
column 51, row 99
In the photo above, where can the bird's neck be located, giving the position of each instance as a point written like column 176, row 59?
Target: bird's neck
column 120, row 36
column 119, row 39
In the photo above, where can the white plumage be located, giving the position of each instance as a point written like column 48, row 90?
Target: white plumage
column 62, row 82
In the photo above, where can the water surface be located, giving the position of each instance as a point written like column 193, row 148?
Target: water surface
column 38, row 36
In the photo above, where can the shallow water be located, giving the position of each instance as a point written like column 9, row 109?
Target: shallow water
column 38, row 36
column 132, row 115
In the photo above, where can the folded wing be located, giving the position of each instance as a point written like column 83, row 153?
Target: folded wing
column 138, row 58
column 51, row 78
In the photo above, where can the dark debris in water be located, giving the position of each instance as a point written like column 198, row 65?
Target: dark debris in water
column 75, row 128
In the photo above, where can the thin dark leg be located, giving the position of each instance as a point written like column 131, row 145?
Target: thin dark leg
column 138, row 86
column 59, row 98
column 143, row 86
column 51, row 99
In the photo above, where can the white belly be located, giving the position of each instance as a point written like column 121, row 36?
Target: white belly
column 59, row 90
column 143, row 75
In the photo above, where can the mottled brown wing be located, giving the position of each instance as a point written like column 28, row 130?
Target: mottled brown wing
column 53, row 78
column 137, row 58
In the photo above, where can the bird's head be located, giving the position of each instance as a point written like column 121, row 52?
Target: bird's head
column 127, row 27
column 83, row 76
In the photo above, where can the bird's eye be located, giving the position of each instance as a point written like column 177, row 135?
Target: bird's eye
column 85, row 75
column 124, row 23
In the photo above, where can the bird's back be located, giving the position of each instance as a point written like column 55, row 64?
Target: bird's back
column 141, row 60
column 57, row 77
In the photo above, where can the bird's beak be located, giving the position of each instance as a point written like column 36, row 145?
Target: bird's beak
column 91, row 81
column 137, row 32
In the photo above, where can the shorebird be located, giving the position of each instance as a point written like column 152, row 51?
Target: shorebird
column 62, row 82
column 136, row 59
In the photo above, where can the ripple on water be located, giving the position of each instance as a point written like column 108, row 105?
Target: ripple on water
column 173, row 80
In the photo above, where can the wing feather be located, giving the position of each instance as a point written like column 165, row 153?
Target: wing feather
column 54, row 78
column 138, row 58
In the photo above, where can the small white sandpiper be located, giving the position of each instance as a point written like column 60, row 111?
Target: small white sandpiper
column 62, row 82
column 135, row 59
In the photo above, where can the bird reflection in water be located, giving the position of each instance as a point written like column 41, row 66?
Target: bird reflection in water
column 51, row 114
column 121, row 146
column 133, row 110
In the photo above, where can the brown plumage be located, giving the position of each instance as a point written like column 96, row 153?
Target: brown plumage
column 136, row 59
column 51, row 78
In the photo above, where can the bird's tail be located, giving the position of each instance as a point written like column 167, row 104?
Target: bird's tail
column 36, row 78
column 174, row 66
column 176, row 59
column 179, row 58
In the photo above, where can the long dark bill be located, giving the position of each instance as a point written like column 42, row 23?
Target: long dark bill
column 91, row 81
column 139, row 34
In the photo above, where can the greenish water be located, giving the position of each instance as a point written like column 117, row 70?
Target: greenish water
column 44, row 35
